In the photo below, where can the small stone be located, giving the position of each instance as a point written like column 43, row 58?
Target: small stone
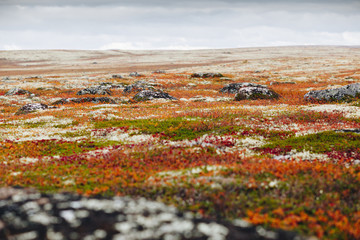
column 206, row 75
column 159, row 71
column 117, row 76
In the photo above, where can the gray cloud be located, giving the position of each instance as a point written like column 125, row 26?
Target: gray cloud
column 91, row 24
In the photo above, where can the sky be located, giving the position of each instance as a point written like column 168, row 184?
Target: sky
column 176, row 24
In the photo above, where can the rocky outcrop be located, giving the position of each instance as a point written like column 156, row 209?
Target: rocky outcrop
column 146, row 95
column 159, row 71
column 94, row 90
column 135, row 74
column 17, row 91
column 102, row 89
column 117, row 76
column 345, row 93
column 251, row 91
column 235, row 87
column 139, row 86
column 206, row 75
column 28, row 214
column 255, row 92
column 32, row 107
column 84, row 100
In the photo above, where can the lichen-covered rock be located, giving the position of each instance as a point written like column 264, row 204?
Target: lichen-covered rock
column 28, row 214
column 17, row 91
column 235, row 87
column 206, row 75
column 146, row 95
column 138, row 86
column 84, row 100
column 257, row 92
column 345, row 93
column 32, row 107
column 94, row 90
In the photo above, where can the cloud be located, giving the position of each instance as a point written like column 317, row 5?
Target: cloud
column 186, row 24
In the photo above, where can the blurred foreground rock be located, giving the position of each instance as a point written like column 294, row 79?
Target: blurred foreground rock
column 29, row 215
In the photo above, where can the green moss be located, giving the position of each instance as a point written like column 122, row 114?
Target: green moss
column 73, row 123
column 65, row 148
column 34, row 125
column 173, row 128
column 319, row 142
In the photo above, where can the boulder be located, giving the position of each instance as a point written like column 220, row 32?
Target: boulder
column 279, row 83
column 17, row 91
column 109, row 85
column 206, row 75
column 28, row 214
column 235, row 87
column 138, row 86
column 159, row 71
column 84, row 100
column 135, row 74
column 146, row 95
column 255, row 92
column 32, row 107
column 100, row 90
column 345, row 93
column 117, row 76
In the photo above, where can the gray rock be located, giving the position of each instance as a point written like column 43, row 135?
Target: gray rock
column 117, row 76
column 6, row 78
column 159, row 71
column 32, row 107
column 138, row 86
column 279, row 83
column 34, row 77
column 17, row 91
column 146, row 95
column 109, row 85
column 28, row 214
column 135, row 74
column 255, row 92
column 84, row 100
column 345, row 93
column 235, row 87
column 100, row 90
column 206, row 75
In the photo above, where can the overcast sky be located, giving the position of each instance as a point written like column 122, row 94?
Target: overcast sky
column 176, row 24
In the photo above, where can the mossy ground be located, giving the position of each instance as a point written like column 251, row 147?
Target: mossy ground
column 159, row 150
